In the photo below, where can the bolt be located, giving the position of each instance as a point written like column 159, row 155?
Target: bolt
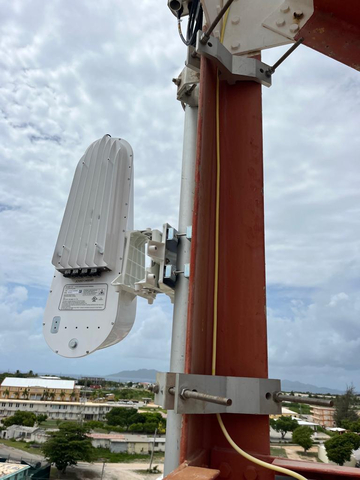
column 294, row 28
column 285, row 8
column 154, row 388
column 235, row 45
column 298, row 14
column 235, row 20
column 177, row 81
column 73, row 343
column 280, row 22
column 250, row 473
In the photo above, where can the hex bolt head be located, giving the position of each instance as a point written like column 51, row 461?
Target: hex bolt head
column 235, row 20
column 280, row 22
column 235, row 46
column 285, row 8
column 294, row 28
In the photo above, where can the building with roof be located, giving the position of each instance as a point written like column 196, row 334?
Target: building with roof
column 324, row 416
column 60, row 410
column 127, row 443
column 39, row 389
column 13, row 471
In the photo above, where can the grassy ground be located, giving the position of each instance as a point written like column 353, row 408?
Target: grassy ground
column 21, row 446
column 104, row 454
column 278, row 452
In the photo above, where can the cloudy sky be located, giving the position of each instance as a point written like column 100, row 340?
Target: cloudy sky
column 73, row 71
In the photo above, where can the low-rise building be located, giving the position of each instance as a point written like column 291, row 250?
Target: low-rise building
column 324, row 416
column 13, row 471
column 127, row 443
column 59, row 410
column 39, row 389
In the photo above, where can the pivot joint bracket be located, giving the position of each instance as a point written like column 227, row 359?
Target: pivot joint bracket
column 204, row 394
column 233, row 68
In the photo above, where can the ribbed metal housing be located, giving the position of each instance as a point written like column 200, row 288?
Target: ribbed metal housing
column 96, row 213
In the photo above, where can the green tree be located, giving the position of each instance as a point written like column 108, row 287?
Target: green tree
column 27, row 419
column 42, row 417
column 340, row 447
column 6, row 393
column 92, row 424
column 355, row 427
column 68, row 446
column 345, row 407
column 302, row 436
column 120, row 416
column 136, row 427
column 25, row 393
column 284, row 424
column 150, row 427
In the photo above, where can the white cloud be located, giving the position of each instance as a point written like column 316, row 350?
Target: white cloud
column 73, row 71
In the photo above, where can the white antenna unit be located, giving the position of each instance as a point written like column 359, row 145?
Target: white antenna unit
column 84, row 311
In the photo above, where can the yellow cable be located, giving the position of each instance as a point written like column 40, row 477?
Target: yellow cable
column 246, row 455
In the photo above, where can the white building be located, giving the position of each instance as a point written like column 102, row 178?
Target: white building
column 127, row 442
column 59, row 410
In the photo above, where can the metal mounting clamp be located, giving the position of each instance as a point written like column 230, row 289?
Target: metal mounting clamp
column 202, row 394
column 233, row 68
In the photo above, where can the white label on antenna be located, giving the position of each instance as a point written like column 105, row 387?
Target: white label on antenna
column 84, row 297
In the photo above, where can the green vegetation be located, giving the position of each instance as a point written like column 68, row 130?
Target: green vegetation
column 283, row 425
column 68, row 446
column 345, row 408
column 27, row 419
column 302, row 436
column 104, row 453
column 340, row 447
column 41, row 418
column 128, row 419
column 278, row 452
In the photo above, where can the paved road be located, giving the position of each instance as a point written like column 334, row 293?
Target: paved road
column 90, row 471
column 16, row 454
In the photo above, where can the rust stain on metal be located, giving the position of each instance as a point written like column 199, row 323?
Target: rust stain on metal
column 193, row 473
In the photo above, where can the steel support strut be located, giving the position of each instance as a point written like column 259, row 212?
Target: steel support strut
column 242, row 341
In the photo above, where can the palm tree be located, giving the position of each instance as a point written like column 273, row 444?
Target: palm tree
column 17, row 395
column 25, row 393
column 73, row 395
column 62, row 395
column 52, row 396
column 6, row 393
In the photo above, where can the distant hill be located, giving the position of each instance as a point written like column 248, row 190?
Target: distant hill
column 149, row 375
column 141, row 375
column 288, row 386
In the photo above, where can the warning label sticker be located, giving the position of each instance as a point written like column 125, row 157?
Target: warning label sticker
column 84, row 297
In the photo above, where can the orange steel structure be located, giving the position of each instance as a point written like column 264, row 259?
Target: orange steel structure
column 334, row 30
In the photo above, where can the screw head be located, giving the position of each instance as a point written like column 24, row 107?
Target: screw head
column 235, row 20
column 235, row 45
column 73, row 343
column 285, row 8
column 294, row 28
column 280, row 22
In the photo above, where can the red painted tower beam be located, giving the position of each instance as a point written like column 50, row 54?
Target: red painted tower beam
column 242, row 335
column 334, row 30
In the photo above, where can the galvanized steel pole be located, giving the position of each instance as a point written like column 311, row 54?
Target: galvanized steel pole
column 177, row 359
